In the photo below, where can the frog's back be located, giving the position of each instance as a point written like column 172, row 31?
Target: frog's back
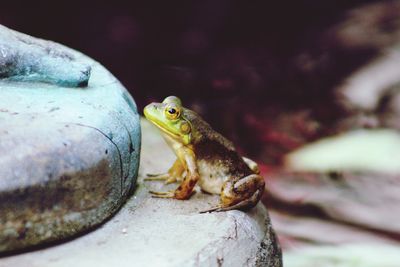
column 217, row 158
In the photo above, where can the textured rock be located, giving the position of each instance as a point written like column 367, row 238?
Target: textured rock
column 369, row 201
column 337, row 201
column 68, row 157
column 362, row 167
column 351, row 255
column 25, row 58
column 298, row 231
column 164, row 232
column 362, row 150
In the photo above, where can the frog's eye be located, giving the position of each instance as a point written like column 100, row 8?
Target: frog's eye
column 172, row 112
column 185, row 127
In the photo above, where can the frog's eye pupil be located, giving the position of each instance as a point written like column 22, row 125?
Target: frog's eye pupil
column 172, row 112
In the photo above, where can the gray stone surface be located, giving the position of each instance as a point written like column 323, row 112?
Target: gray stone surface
column 68, row 156
column 25, row 58
column 164, row 232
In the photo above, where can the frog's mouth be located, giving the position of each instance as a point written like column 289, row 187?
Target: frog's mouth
column 164, row 131
column 148, row 113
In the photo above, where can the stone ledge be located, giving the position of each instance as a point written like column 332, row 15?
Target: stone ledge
column 162, row 232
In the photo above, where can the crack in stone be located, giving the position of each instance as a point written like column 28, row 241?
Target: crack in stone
column 131, row 150
column 116, row 146
column 220, row 261
column 235, row 235
column 236, row 227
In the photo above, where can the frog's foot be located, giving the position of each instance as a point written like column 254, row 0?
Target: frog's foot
column 174, row 174
column 161, row 177
column 242, row 205
column 168, row 194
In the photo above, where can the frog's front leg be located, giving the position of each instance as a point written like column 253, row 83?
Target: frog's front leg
column 241, row 193
column 174, row 174
column 185, row 189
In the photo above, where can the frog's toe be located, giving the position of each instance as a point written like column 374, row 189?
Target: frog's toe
column 157, row 177
column 215, row 209
column 155, row 174
column 240, row 205
column 168, row 194
column 166, row 177
column 171, row 180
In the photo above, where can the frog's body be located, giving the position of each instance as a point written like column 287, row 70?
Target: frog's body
column 204, row 157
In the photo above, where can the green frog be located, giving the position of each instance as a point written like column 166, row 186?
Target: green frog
column 204, row 157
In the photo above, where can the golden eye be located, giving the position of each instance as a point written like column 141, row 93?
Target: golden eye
column 185, row 127
column 172, row 112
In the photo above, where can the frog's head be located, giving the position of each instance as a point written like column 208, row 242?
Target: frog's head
column 169, row 117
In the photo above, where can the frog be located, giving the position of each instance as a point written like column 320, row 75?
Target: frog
column 203, row 157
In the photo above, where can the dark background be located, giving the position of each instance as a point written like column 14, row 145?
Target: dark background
column 240, row 64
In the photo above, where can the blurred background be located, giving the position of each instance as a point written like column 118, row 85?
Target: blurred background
column 275, row 77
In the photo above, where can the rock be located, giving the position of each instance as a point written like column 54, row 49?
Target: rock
column 373, row 27
column 362, row 150
column 165, row 232
column 365, row 89
column 366, row 200
column 353, row 255
column 25, row 58
column 68, row 157
column 361, row 166
column 301, row 231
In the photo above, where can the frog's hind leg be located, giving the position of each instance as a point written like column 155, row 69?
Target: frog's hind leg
column 240, row 194
column 173, row 175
